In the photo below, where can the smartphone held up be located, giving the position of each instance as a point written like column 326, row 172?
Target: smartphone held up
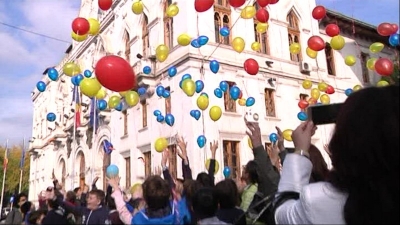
column 324, row 114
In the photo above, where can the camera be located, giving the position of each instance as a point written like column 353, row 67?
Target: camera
column 251, row 117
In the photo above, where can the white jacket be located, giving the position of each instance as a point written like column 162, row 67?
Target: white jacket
column 319, row 203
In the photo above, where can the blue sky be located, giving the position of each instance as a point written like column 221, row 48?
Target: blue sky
column 24, row 56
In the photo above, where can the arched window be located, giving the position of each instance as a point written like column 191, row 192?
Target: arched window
column 63, row 171
column 168, row 26
column 261, row 38
column 82, row 171
column 293, row 33
column 127, row 40
column 106, row 163
column 222, row 18
column 145, row 35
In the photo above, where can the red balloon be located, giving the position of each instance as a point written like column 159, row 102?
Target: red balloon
column 251, row 66
column 80, row 26
column 303, row 104
column 262, row 15
column 240, row 94
column 115, row 73
column 263, row 3
column 105, row 4
column 319, row 12
column 330, row 90
column 332, row 30
column 316, row 43
column 273, row 1
column 203, row 5
column 236, row 3
column 395, row 28
column 385, row 29
column 384, row 67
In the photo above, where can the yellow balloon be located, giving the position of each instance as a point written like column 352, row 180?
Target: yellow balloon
column 172, row 10
column 160, row 144
column 376, row 47
column 248, row 12
column 242, row 102
column 113, row 101
column 337, row 42
column 249, row 143
column 78, row 38
column 382, row 83
column 315, row 93
column 71, row 69
column 325, row 99
column 132, row 98
column 101, row 94
column 216, row 168
column 162, row 52
column 295, row 48
column 287, row 134
column 371, row 63
column 189, row 87
column 137, row 7
column 350, row 60
column 215, row 113
column 94, row 26
column 256, row 46
column 307, row 84
column 238, row 44
column 357, row 87
column 311, row 53
column 90, row 87
column 202, row 102
column 312, row 101
column 122, row 93
column 322, row 86
column 262, row 27
column 184, row 40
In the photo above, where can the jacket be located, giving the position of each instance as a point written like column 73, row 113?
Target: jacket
column 14, row 217
column 319, row 203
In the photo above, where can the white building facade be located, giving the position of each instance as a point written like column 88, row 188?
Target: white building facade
column 79, row 159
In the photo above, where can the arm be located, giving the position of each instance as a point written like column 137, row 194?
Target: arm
column 186, row 171
column 268, row 176
column 211, row 168
column 167, row 176
column 124, row 214
column 94, row 187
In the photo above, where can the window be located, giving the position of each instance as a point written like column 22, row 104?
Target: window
column 269, row 97
column 172, row 161
column 222, row 18
column 147, row 163
column 128, row 172
column 293, row 33
column 232, row 157
column 63, row 172
column 365, row 72
column 144, row 113
column 230, row 104
column 127, row 40
column 168, row 27
column 261, row 38
column 125, row 120
column 168, row 102
column 330, row 63
column 145, row 35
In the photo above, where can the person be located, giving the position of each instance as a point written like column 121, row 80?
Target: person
column 205, row 206
column 363, row 186
column 15, row 216
column 36, row 217
column 228, row 198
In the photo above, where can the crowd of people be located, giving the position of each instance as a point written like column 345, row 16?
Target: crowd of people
column 276, row 187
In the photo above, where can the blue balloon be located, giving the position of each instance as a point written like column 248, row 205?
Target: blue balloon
column 195, row 43
column 181, row 83
column 41, row 86
column 205, row 94
column 119, row 107
column 87, row 73
column 214, row 66
column 102, row 104
column 203, row 40
column 201, row 141
column 223, row 85
column 160, row 118
column 172, row 71
column 112, row 171
column 199, row 86
column 51, row 117
column 348, row 91
column 234, row 92
column 192, row 113
column 157, row 112
column 186, row 76
column 166, row 94
column 160, row 90
column 146, row 70
column 302, row 116
column 250, row 101
column 273, row 137
column 142, row 91
column 74, row 81
column 227, row 172
column 394, row 40
column 169, row 119
column 218, row 93
column 196, row 114
column 224, row 31
column 79, row 78
column 52, row 74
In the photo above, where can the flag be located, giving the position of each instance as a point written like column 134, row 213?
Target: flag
column 6, row 153
column 107, row 147
column 22, row 161
column 94, row 115
column 77, row 101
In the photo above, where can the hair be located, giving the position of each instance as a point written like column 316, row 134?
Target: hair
column 77, row 189
column 35, row 215
column 156, row 192
column 20, row 195
column 205, row 203
column 365, row 155
column 228, row 194
column 205, row 179
column 190, row 187
column 99, row 194
column 251, row 169
column 320, row 168
column 70, row 196
column 26, row 207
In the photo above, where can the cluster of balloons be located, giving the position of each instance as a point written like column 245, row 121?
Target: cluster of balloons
column 168, row 118
column 387, row 29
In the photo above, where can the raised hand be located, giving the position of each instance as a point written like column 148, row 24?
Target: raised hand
column 213, row 148
column 182, row 153
column 281, row 140
column 254, row 133
column 164, row 158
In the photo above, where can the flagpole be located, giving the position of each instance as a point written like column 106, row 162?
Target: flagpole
column 94, row 136
column 4, row 178
column 21, row 166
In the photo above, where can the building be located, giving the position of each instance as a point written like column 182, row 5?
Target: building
column 277, row 88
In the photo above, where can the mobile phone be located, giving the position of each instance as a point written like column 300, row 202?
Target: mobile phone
column 252, row 117
column 49, row 189
column 324, row 114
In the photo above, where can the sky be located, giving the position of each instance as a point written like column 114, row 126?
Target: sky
column 24, row 56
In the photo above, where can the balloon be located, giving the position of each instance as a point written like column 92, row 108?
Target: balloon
column 132, row 98
column 371, row 63
column 105, row 4
column 384, row 67
column 203, row 5
column 166, row 94
column 234, row 92
column 248, row 12
column 199, row 86
column 302, row 116
column 218, row 93
column 195, row 43
column 322, row 86
column 215, row 113
column 160, row 144
column 256, row 46
column 101, row 104
column 238, row 44
column 90, row 87
column 52, row 74
column 350, row 60
column 236, row 3
column 330, row 90
column 262, row 27
column 141, row 91
column 319, row 12
column 303, row 104
column 385, row 29
column 201, row 141
column 77, row 79
column 113, row 101
column 287, row 134
column 115, row 73
column 87, row 73
column 120, row 106
column 325, row 99
column 202, row 102
column 273, row 137
column 262, row 15
column 273, row 1
column 71, row 69
column 112, row 170
column 316, row 43
column 137, row 7
column 146, row 70
column 207, row 165
column 160, row 90
column 156, row 112
column 224, row 31
column 382, row 83
column 348, row 91
column 227, row 172
column 189, row 87
column 394, row 40
column 186, row 76
column 376, row 47
column 94, row 26
column 263, row 3
column 101, row 94
column 395, row 28
column 160, row 118
column 337, row 42
column 224, row 86
column 250, row 101
column 214, row 66
column 78, row 38
column 357, row 88
column 80, row 26
column 332, row 30
column 307, row 84
column 172, row 10
column 315, row 93
column 242, row 102
column 172, row 71
column 312, row 101
column 162, row 52
column 311, row 53
column 251, row 66
column 51, row 117
column 169, row 119
column 195, row 114
column 249, row 142
column 203, row 40
column 184, row 40
column 295, row 48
